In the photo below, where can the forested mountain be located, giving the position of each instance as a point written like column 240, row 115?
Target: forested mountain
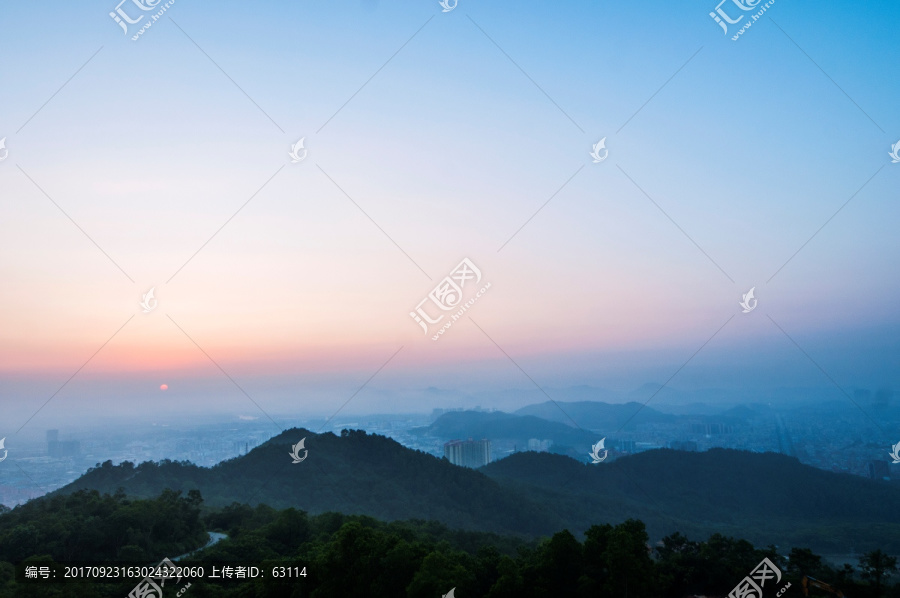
column 768, row 498
column 85, row 525
column 353, row 473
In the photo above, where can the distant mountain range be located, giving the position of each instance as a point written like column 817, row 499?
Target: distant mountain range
column 765, row 498
column 595, row 415
column 496, row 425
column 666, row 399
column 572, row 427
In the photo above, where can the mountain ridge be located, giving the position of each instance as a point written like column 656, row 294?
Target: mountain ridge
column 764, row 497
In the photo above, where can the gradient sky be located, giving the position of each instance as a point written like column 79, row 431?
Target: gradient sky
column 747, row 148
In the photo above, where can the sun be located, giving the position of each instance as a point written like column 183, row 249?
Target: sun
column 164, row 387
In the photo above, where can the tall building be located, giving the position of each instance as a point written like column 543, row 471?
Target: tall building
column 468, row 453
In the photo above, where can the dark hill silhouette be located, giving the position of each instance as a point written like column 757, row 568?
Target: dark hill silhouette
column 355, row 473
column 765, row 498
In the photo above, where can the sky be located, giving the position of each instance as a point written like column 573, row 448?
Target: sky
column 431, row 137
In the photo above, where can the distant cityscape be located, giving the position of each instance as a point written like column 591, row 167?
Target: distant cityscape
column 816, row 439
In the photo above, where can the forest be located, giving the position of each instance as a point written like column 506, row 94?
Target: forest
column 353, row 555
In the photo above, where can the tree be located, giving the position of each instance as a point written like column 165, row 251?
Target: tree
column 290, row 529
column 727, row 561
column 558, row 567
column 802, row 561
column 845, row 574
column 510, row 583
column 875, row 566
column 440, row 571
column 628, row 560
column 679, row 566
column 596, row 569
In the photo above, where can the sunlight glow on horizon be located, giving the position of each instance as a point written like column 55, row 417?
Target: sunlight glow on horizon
column 276, row 269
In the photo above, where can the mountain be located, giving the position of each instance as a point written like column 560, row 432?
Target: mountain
column 354, row 473
column 605, row 417
column 500, row 425
column 765, row 498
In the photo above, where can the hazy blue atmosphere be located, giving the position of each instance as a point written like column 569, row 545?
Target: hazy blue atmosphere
column 750, row 151
column 486, row 261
